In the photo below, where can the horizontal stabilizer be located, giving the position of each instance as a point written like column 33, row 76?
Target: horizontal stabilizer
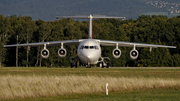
column 93, row 17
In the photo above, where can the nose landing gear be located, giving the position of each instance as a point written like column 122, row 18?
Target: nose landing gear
column 88, row 65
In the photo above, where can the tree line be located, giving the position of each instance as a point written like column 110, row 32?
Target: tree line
column 145, row 29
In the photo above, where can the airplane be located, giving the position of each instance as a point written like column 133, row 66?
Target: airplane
column 89, row 50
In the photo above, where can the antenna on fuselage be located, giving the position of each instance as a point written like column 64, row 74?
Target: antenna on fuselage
column 90, row 17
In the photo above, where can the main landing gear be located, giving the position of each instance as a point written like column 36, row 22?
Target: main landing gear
column 74, row 62
column 105, row 62
column 102, row 65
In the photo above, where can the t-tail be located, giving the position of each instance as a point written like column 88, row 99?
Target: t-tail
column 90, row 17
column 90, row 34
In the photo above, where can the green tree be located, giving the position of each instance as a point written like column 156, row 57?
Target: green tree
column 17, row 31
column 5, row 27
column 28, row 30
column 158, row 57
column 176, row 59
column 43, row 32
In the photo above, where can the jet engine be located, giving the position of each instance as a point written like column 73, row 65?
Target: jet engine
column 116, row 53
column 45, row 53
column 62, row 52
column 134, row 54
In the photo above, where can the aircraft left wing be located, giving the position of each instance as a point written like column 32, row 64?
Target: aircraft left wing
column 131, row 44
column 52, row 43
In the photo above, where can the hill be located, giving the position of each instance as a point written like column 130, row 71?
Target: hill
column 48, row 9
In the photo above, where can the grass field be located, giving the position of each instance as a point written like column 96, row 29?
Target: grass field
column 89, row 84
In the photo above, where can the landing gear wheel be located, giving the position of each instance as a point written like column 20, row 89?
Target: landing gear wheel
column 107, row 65
column 100, row 65
column 88, row 66
column 72, row 65
column 74, row 62
column 76, row 65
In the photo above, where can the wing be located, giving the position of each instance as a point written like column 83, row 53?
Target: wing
column 131, row 44
column 52, row 43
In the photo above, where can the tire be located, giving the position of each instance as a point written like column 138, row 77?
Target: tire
column 102, row 65
column 89, row 66
column 76, row 65
column 72, row 65
column 107, row 65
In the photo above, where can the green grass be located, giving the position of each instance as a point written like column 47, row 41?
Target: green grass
column 142, row 95
column 156, row 73
column 156, row 94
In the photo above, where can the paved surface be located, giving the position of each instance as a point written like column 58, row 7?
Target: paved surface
column 146, row 67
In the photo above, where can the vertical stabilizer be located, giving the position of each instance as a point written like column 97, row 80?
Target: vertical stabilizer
column 90, row 17
column 90, row 27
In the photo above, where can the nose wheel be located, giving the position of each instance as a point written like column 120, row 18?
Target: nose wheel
column 88, row 65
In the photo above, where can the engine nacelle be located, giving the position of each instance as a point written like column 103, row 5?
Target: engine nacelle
column 134, row 54
column 62, row 52
column 45, row 53
column 116, row 53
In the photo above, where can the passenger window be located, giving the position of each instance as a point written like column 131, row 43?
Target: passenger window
column 86, row 47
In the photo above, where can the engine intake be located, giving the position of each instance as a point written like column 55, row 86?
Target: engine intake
column 62, row 52
column 116, row 53
column 45, row 53
column 134, row 54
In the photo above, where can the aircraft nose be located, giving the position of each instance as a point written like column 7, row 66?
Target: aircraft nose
column 88, row 55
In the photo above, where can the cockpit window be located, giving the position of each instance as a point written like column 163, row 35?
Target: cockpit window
column 96, row 47
column 86, row 47
column 81, row 47
column 91, row 47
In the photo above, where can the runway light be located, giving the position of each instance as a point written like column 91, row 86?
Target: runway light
column 106, row 88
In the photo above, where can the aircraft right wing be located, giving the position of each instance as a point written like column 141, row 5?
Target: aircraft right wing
column 131, row 44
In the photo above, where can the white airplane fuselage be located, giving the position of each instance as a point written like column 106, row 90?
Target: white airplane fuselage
column 89, row 51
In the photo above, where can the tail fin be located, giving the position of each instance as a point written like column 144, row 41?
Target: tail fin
column 90, row 34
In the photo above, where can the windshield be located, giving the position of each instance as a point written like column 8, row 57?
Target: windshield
column 89, row 47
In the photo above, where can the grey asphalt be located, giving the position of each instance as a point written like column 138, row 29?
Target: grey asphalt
column 145, row 67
